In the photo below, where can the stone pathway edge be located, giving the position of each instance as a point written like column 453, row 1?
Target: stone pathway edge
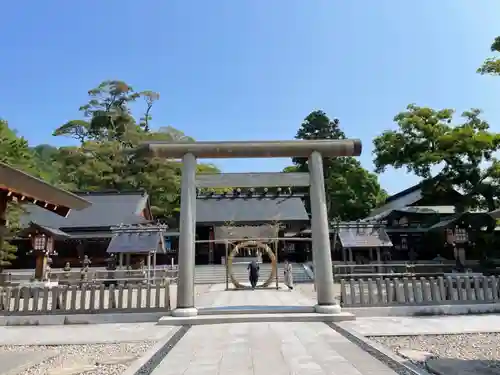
column 37, row 358
column 149, row 360
column 378, row 351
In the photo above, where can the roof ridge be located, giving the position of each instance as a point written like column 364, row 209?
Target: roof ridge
column 111, row 192
column 248, row 196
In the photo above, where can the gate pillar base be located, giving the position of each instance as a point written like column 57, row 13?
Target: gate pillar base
column 185, row 312
column 327, row 309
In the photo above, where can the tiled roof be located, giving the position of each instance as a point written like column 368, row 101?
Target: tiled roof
column 246, row 209
column 364, row 236
column 136, row 242
column 480, row 219
column 395, row 204
column 53, row 232
column 442, row 210
column 107, row 209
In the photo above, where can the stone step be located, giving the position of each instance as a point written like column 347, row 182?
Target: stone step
column 214, row 274
column 255, row 318
column 255, row 309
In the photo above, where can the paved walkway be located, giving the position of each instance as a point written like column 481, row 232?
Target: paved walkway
column 216, row 295
column 439, row 325
column 265, row 348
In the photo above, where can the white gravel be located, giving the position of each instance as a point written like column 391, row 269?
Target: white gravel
column 470, row 346
column 71, row 355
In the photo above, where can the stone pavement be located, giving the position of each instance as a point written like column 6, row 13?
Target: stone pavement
column 265, row 348
column 216, row 295
column 16, row 363
column 84, row 334
column 268, row 348
column 438, row 325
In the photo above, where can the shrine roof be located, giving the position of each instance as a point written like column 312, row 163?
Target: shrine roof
column 365, row 236
column 24, row 187
column 478, row 218
column 53, row 232
column 248, row 209
column 137, row 242
column 408, row 197
column 108, row 209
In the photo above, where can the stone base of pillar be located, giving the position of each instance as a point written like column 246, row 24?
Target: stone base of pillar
column 185, row 312
column 327, row 309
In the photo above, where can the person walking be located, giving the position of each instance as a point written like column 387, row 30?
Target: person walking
column 288, row 275
column 253, row 273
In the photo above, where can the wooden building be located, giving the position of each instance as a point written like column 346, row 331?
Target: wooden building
column 252, row 213
column 407, row 217
column 88, row 230
column 424, row 227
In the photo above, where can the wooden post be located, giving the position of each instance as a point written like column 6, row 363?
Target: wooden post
column 277, row 264
column 3, row 221
column 379, row 260
column 226, row 264
column 40, row 264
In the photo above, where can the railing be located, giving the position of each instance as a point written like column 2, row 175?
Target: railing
column 96, row 275
column 391, row 270
column 422, row 291
column 85, row 299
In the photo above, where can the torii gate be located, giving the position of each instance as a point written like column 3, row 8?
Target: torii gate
column 314, row 150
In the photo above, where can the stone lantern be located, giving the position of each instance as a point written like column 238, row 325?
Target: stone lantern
column 43, row 247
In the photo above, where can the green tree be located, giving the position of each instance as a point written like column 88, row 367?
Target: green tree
column 107, row 114
column 492, row 64
column 14, row 151
column 108, row 135
column 445, row 155
column 352, row 192
column 45, row 163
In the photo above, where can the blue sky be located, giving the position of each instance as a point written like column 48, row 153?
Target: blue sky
column 249, row 69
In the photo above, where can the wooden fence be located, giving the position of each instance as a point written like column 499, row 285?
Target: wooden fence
column 85, row 299
column 422, row 291
column 392, row 269
column 94, row 275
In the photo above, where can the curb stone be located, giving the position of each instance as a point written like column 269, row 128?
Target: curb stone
column 149, row 360
column 68, row 319
column 37, row 358
column 386, row 356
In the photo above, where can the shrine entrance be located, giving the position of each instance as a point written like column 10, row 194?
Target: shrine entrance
column 258, row 247
column 247, row 243
column 313, row 150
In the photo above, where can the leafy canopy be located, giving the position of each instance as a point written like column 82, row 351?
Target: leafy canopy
column 352, row 192
column 460, row 155
column 108, row 133
column 492, row 64
column 14, row 151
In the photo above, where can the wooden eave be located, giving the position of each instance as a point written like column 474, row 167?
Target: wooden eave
column 20, row 186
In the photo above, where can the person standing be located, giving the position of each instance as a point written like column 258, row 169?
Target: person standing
column 288, row 275
column 253, row 273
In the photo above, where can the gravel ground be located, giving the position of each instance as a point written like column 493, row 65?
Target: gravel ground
column 470, row 346
column 70, row 355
